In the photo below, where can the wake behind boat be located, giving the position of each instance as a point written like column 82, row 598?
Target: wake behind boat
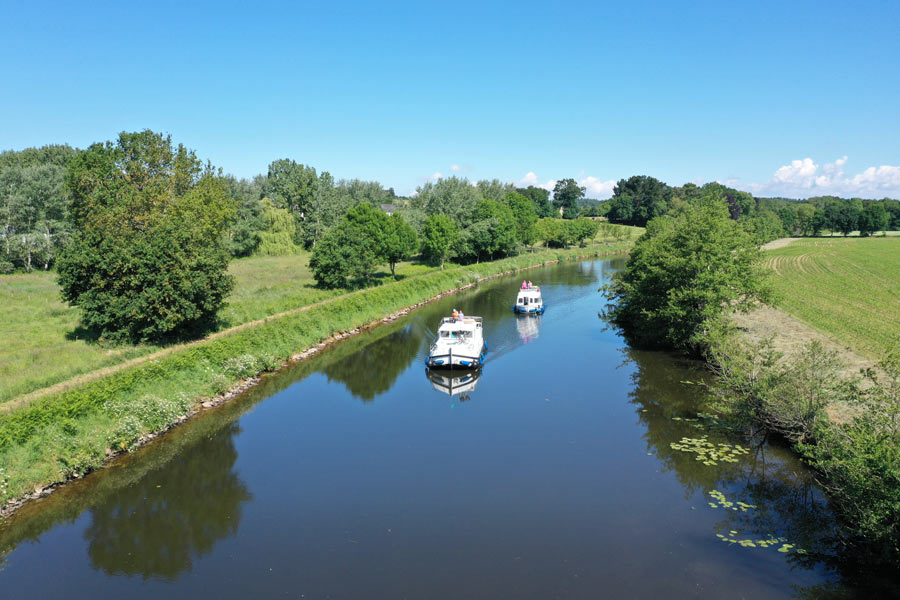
column 459, row 343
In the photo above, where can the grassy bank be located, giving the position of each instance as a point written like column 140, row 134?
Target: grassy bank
column 845, row 288
column 44, row 345
column 67, row 434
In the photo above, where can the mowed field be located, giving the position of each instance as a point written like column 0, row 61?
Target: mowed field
column 848, row 289
column 42, row 343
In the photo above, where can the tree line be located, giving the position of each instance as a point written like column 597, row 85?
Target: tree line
column 639, row 199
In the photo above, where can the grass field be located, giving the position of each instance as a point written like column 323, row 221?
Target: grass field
column 42, row 344
column 848, row 289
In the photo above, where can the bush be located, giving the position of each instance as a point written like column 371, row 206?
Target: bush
column 681, row 276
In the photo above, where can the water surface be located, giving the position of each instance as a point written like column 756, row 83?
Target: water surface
column 356, row 475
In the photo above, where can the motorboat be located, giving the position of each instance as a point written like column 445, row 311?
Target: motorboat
column 529, row 301
column 459, row 344
column 458, row 383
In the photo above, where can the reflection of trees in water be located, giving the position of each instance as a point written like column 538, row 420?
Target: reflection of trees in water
column 158, row 525
column 373, row 368
column 788, row 502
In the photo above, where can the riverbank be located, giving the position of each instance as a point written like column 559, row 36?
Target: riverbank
column 67, row 434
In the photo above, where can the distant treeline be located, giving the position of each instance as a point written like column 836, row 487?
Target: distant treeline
column 292, row 207
column 640, row 198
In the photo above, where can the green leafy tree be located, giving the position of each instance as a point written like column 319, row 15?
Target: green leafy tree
column 352, row 249
column 583, row 229
column 492, row 233
column 525, row 215
column 148, row 259
column 400, row 241
column 682, row 274
column 450, row 196
column 566, row 194
column 873, row 218
column 806, row 219
column 765, row 226
column 292, row 186
column 638, row 199
column 244, row 230
column 541, row 199
column 439, row 235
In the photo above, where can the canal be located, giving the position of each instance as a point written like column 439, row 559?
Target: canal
column 571, row 466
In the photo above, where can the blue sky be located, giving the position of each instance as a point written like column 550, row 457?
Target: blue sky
column 770, row 97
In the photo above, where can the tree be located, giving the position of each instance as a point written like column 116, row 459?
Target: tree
column 292, row 186
column 439, row 234
column 806, row 219
column 764, row 226
column 583, row 229
column 541, row 199
column 450, row 196
column 244, row 230
column 566, row 194
column 682, row 274
column 400, row 241
column 148, row 259
column 638, row 199
column 352, row 249
column 492, row 233
column 525, row 215
column 873, row 218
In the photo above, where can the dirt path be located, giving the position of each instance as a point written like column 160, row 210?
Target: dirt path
column 27, row 399
column 779, row 243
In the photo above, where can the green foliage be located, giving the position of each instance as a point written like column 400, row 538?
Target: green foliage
column 541, row 199
column 556, row 233
column 34, row 206
column 860, row 461
column 682, row 273
column 400, row 241
column 148, row 259
column 439, row 235
column 583, row 229
column 493, row 233
column 524, row 213
column 786, row 396
column 765, row 226
column 639, row 199
column 450, row 196
column 244, row 230
column 566, row 194
column 353, row 249
column 277, row 236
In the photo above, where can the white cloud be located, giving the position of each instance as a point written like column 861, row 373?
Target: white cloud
column 803, row 178
column 596, row 188
column 436, row 175
column 455, row 168
column 529, row 179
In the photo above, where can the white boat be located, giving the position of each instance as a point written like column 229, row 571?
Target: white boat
column 529, row 301
column 459, row 344
column 459, row 383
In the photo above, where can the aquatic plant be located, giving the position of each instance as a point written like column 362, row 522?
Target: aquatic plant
column 709, row 453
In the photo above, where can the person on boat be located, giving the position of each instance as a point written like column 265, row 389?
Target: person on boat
column 461, row 315
column 455, row 314
column 524, row 285
column 530, row 285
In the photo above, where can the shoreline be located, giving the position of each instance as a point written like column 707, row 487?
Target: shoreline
column 201, row 405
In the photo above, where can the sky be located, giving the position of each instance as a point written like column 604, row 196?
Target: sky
column 777, row 98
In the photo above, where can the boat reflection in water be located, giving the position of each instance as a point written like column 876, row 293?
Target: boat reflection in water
column 454, row 383
column 528, row 327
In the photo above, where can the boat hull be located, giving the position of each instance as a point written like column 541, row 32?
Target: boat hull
column 536, row 310
column 453, row 360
